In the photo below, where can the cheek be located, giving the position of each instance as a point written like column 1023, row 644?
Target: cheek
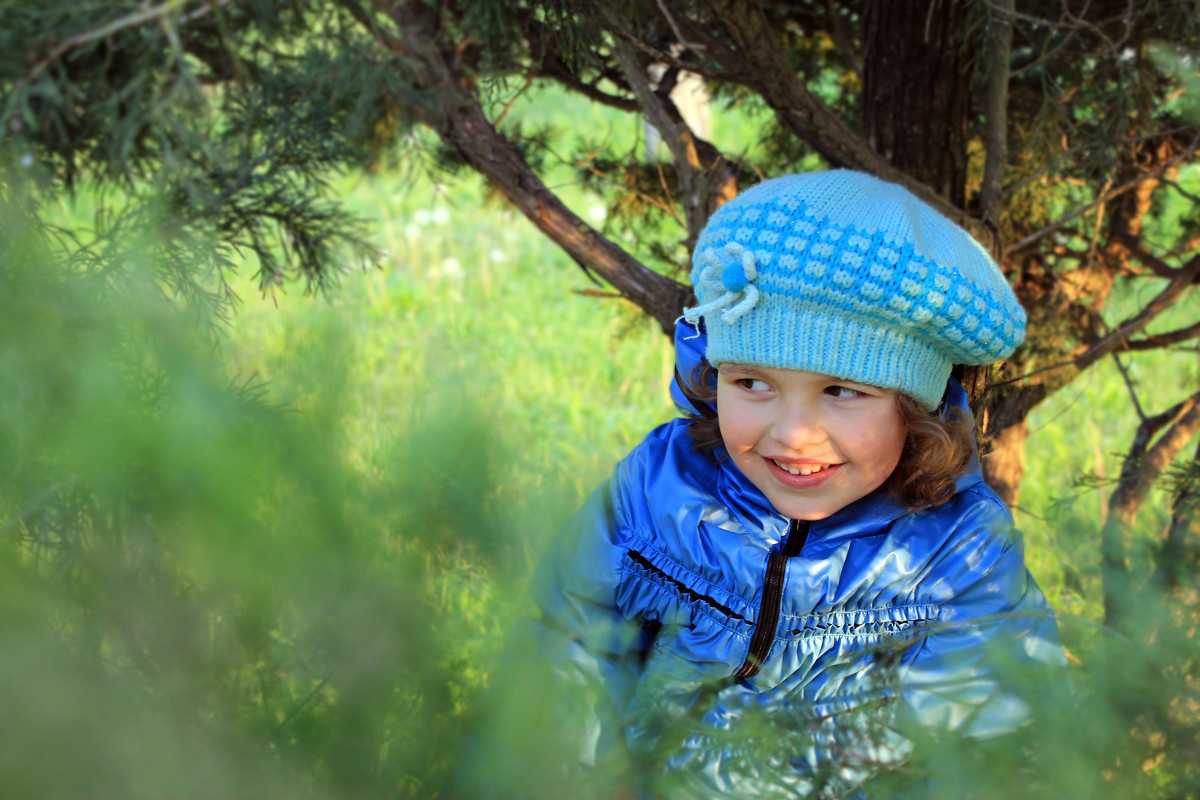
column 891, row 445
column 736, row 426
column 881, row 442
column 731, row 432
column 726, row 418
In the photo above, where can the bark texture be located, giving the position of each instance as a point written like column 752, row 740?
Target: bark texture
column 762, row 56
column 916, row 91
column 1004, row 463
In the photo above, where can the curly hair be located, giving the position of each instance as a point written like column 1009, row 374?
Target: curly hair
column 937, row 451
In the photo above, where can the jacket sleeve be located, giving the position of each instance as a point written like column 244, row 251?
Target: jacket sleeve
column 975, row 671
column 593, row 653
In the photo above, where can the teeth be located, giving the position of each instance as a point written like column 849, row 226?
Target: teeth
column 798, row 470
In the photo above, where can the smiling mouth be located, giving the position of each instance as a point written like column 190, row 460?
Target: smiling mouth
column 807, row 469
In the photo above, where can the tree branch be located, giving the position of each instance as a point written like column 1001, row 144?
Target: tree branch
column 1118, row 340
column 1103, row 198
column 1165, row 339
column 457, row 117
column 588, row 90
column 554, row 67
column 1144, row 462
column 1137, row 248
column 1183, row 280
column 364, row 19
column 675, row 133
column 1182, row 192
column 1137, row 405
column 137, row 19
column 670, row 18
column 700, row 39
column 842, row 38
column 1142, row 466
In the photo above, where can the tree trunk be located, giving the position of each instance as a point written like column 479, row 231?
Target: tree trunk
column 760, row 55
column 916, row 90
column 916, row 101
column 1004, row 462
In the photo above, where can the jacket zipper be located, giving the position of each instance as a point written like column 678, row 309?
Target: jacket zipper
column 772, row 598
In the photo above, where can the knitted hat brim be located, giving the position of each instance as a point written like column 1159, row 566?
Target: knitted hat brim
column 818, row 339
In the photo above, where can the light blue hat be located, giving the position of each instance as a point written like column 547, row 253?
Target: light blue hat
column 847, row 275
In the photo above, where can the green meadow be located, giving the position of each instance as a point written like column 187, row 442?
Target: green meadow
column 285, row 565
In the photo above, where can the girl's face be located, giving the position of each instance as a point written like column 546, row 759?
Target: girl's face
column 811, row 443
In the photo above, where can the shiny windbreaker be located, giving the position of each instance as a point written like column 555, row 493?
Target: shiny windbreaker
column 742, row 654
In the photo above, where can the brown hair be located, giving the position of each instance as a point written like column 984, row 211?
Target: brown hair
column 936, row 451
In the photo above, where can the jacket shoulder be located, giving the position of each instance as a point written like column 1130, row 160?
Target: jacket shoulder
column 976, row 555
column 977, row 511
column 664, row 470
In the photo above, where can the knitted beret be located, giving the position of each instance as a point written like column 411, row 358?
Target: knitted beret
column 846, row 275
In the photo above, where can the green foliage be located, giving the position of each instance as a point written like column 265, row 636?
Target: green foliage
column 201, row 597
column 121, row 96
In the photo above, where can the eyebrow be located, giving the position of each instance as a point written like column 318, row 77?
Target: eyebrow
column 741, row 369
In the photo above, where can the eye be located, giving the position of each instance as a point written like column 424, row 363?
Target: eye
column 838, row 390
column 754, row 384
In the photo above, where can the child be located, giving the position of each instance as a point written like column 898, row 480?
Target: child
column 812, row 551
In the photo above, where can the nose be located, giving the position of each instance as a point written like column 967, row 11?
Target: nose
column 800, row 425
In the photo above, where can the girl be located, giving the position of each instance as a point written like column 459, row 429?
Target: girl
column 767, row 589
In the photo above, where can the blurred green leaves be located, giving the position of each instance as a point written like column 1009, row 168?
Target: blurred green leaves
column 201, row 598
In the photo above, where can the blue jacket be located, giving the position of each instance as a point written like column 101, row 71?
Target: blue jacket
column 746, row 651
